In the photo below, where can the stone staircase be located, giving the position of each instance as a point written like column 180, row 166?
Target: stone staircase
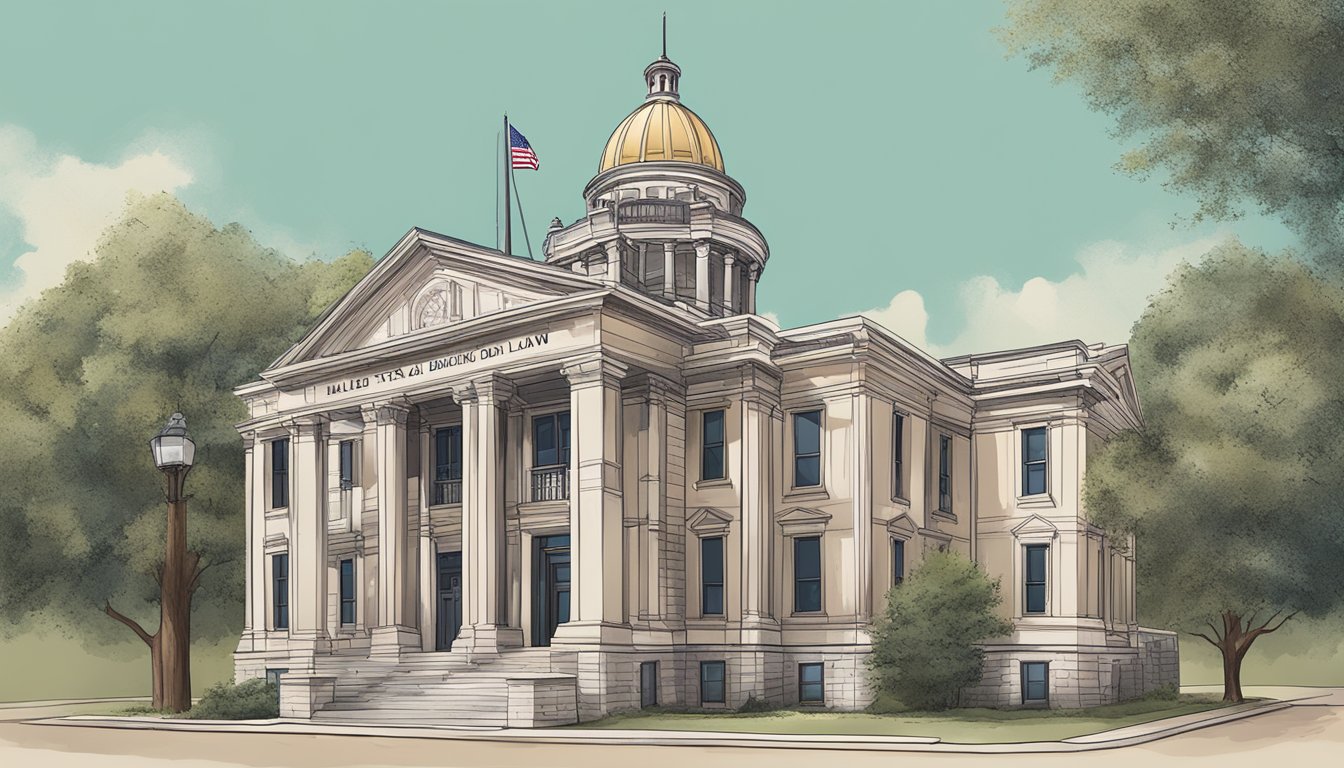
column 439, row 688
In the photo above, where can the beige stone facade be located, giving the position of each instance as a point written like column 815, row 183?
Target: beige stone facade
column 484, row 489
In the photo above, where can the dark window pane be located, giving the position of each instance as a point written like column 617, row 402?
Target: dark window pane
column 1035, row 677
column 711, row 467
column 711, row 559
column 807, row 432
column 648, row 684
column 1033, row 441
column 347, row 464
column 807, row 557
column 806, row 471
column 280, row 473
column 807, row 596
column 347, row 591
column 713, row 427
column 1035, row 578
column 562, row 437
column 811, row 686
column 562, row 606
column 544, row 452
column 280, row 589
column 897, row 455
column 712, row 600
column 897, row 561
column 1035, row 479
column 711, row 682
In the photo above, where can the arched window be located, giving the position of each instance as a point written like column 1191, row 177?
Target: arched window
column 662, row 82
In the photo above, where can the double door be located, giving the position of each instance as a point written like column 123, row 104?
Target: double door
column 550, row 587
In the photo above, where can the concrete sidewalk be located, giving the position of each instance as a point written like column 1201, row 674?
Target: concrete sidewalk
column 1120, row 737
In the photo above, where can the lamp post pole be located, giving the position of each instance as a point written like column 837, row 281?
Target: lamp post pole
column 173, row 455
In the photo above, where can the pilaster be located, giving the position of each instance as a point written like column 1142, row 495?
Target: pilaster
column 760, row 402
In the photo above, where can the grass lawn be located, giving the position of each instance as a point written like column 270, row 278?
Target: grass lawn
column 962, row 726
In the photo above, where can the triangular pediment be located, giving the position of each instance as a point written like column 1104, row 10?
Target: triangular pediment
column 708, row 520
column 902, row 526
column 425, row 282
column 801, row 520
column 1035, row 527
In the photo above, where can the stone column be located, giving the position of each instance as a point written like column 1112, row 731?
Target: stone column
column 753, row 274
column 426, row 550
column 702, row 275
column 595, row 501
column 758, row 621
column 861, row 474
column 669, row 270
column 729, row 284
column 485, row 582
column 308, row 537
column 653, row 486
column 394, row 629
column 613, row 262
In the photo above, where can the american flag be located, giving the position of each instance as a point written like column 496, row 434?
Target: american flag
column 520, row 152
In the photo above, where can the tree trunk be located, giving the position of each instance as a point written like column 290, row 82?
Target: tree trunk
column 1234, row 641
column 1231, row 675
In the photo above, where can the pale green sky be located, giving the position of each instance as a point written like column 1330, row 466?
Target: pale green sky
column 884, row 147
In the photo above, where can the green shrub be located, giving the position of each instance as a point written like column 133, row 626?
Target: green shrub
column 926, row 645
column 251, row 700
column 753, row 705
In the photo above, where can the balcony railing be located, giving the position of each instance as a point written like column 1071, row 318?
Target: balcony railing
column 447, row 492
column 653, row 212
column 550, row 483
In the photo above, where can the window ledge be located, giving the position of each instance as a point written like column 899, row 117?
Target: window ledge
column 277, row 512
column 1036, row 501
column 943, row 514
column 808, row 493
column 440, row 507
column 900, row 502
column 723, row 482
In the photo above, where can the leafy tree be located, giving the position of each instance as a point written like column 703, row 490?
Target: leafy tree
column 1235, row 101
column 926, row 646
column 170, row 315
column 1233, row 489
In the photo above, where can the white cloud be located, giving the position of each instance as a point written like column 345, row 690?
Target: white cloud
column 1098, row 303
column 63, row 204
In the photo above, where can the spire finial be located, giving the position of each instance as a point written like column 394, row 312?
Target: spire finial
column 664, row 34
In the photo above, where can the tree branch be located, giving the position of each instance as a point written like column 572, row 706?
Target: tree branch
column 200, row 571
column 1210, row 640
column 128, row 621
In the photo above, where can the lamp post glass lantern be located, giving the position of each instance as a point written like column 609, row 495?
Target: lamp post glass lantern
column 172, row 447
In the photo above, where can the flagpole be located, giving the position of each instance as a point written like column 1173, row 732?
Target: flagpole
column 521, row 215
column 508, row 164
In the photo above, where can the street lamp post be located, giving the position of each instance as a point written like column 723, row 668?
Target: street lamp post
column 174, row 453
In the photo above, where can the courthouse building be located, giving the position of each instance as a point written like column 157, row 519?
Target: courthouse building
column 485, row 489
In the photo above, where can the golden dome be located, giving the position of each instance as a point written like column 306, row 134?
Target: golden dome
column 661, row 130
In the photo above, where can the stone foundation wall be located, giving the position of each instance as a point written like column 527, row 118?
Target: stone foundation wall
column 1159, row 655
column 540, row 701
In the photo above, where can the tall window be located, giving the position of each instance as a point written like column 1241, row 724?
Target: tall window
column 711, row 682
column 1033, row 461
column 1035, row 577
column 448, row 465
column 711, row 452
column 806, row 449
column 711, row 576
column 944, row 473
column 648, row 684
column 280, row 589
column 811, row 683
column 280, row 473
column 807, row 574
column 550, row 439
column 1035, row 675
column 897, row 456
column 550, row 457
column 897, row 561
column 347, row 592
column 347, row 464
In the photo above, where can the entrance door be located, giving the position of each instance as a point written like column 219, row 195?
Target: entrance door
column 449, row 600
column 550, row 587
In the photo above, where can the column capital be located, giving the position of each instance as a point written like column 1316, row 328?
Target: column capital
column 596, row 369
column 702, row 249
column 386, row 412
column 493, row 389
column 730, row 258
column 249, row 439
column 305, row 427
